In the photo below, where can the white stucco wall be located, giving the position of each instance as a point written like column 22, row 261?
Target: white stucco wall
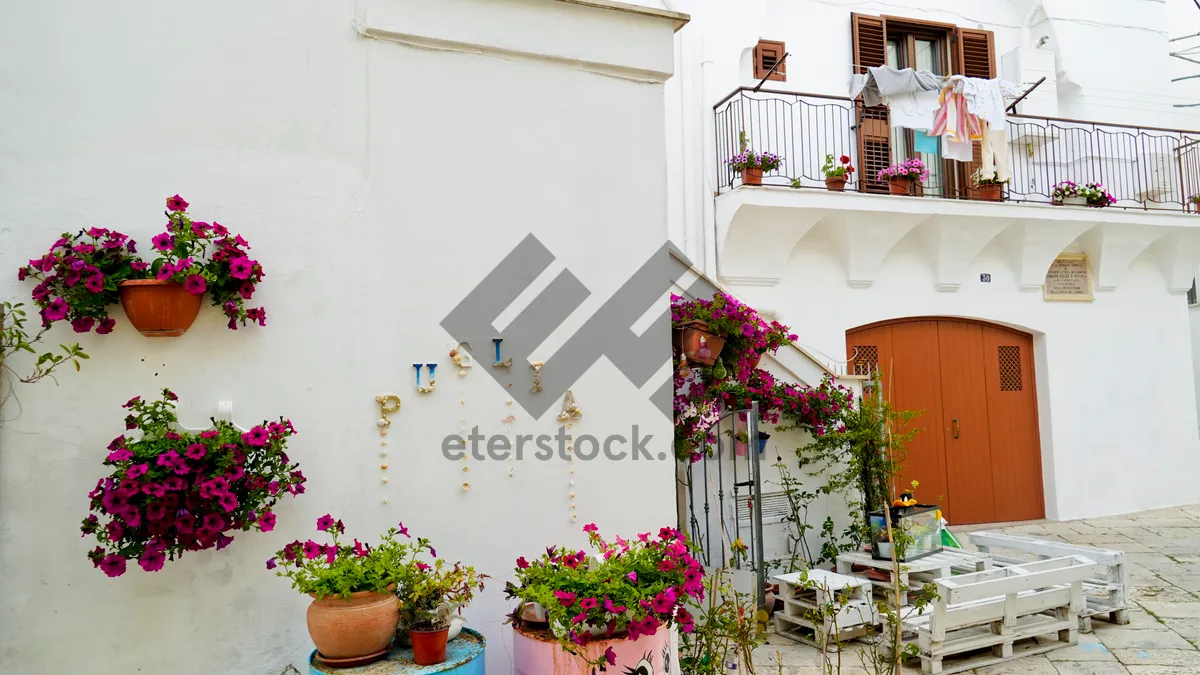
column 378, row 183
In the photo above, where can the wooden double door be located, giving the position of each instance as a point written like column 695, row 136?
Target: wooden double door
column 978, row 453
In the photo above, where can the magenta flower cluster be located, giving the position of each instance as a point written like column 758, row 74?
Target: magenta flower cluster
column 910, row 169
column 634, row 588
column 748, row 159
column 78, row 277
column 173, row 491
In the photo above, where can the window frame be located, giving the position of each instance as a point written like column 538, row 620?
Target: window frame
column 780, row 74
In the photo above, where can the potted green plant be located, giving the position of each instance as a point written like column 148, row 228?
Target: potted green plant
column 1193, row 204
column 988, row 188
column 171, row 491
column 1096, row 195
column 752, row 164
column 353, row 616
column 903, row 176
column 632, row 588
column 430, row 597
column 1067, row 193
column 836, row 175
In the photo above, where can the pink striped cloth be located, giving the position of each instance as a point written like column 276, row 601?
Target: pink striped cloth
column 953, row 120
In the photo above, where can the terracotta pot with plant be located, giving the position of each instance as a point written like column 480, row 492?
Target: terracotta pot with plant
column 430, row 597
column 84, row 274
column 903, row 176
column 988, row 188
column 699, row 344
column 837, row 175
column 170, row 492
column 752, row 164
column 1193, row 204
column 629, row 590
column 354, row 613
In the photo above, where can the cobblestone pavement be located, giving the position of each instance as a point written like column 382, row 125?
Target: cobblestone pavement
column 1163, row 551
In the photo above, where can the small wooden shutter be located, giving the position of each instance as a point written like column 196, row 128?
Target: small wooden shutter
column 869, row 36
column 973, row 53
column 767, row 53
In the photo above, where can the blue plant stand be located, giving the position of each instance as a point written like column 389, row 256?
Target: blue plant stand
column 464, row 656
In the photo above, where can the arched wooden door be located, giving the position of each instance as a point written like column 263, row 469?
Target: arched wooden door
column 978, row 453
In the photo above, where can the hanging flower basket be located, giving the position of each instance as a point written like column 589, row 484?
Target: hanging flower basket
column 159, row 308
column 699, row 345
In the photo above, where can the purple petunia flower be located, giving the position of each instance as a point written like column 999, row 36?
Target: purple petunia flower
column 241, row 267
column 195, row 284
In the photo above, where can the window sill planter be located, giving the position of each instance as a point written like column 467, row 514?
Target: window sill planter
column 989, row 192
column 699, row 345
column 429, row 646
column 355, row 631
column 900, row 186
column 1071, row 201
column 752, row 175
column 159, row 308
column 835, row 183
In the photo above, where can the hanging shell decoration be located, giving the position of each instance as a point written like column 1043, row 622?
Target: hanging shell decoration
column 537, row 376
column 570, row 411
column 506, row 363
column 388, row 404
column 461, row 358
column 432, row 382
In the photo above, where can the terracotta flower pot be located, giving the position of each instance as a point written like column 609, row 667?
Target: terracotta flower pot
column 429, row 646
column 989, row 192
column 752, row 175
column 361, row 627
column 835, row 183
column 900, row 186
column 699, row 345
column 159, row 308
column 754, row 359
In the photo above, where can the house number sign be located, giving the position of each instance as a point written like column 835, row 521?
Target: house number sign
column 1069, row 278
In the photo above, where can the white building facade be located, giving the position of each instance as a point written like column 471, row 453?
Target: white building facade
column 1033, row 407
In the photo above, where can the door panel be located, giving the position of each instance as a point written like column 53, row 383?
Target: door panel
column 965, row 424
column 1012, row 416
column 915, row 384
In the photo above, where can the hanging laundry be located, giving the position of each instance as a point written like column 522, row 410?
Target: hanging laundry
column 882, row 81
column 952, row 119
column 912, row 111
column 997, row 161
column 923, row 142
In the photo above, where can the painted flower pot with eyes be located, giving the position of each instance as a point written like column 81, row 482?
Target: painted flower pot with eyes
column 537, row 653
column 159, row 308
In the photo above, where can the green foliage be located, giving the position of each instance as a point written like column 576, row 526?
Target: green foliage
column 431, row 595
column 342, row 569
column 725, row 631
column 14, row 338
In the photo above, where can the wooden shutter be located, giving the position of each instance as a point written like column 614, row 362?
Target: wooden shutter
column 973, row 53
column 767, row 53
column 869, row 37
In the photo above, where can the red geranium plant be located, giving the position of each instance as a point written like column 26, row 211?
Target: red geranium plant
column 78, row 278
column 172, row 491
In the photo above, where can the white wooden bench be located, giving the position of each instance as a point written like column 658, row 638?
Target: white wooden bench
column 1002, row 609
column 845, row 601
column 1106, row 594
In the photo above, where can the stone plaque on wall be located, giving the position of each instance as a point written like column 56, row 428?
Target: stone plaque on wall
column 1069, row 278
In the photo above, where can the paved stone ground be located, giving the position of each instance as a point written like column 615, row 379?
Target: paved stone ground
column 1163, row 549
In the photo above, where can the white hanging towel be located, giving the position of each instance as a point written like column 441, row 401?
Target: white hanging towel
column 912, row 110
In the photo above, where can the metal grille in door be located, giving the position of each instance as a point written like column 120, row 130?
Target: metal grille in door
column 866, row 359
column 1010, row 367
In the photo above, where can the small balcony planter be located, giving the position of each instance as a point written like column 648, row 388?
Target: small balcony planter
column 752, row 164
column 987, row 188
column 1192, row 205
column 836, row 175
column 1068, row 193
column 699, row 344
column 159, row 308
column 901, row 177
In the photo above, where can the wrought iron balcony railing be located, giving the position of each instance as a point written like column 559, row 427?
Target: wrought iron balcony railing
column 1143, row 167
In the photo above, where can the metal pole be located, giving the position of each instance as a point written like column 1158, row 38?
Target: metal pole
column 760, row 566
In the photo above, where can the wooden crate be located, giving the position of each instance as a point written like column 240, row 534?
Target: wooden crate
column 914, row 574
column 1106, row 594
column 1001, row 611
column 855, row 619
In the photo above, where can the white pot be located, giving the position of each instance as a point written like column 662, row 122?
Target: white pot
column 1074, row 201
column 532, row 611
column 456, row 626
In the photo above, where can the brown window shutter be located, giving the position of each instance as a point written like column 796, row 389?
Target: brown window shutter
column 768, row 53
column 974, row 53
column 869, row 37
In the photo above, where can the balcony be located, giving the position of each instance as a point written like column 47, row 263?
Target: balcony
column 1151, row 172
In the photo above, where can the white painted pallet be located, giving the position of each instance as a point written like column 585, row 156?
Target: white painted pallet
column 1106, row 594
column 923, row 570
column 856, row 618
column 1001, row 610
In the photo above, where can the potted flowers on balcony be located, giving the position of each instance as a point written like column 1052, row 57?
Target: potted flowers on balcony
column 836, row 175
column 174, row 491
column 1193, row 204
column 353, row 616
column 753, row 164
column 1067, row 193
column 1097, row 196
column 431, row 596
column 903, row 176
column 988, row 188
column 612, row 610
